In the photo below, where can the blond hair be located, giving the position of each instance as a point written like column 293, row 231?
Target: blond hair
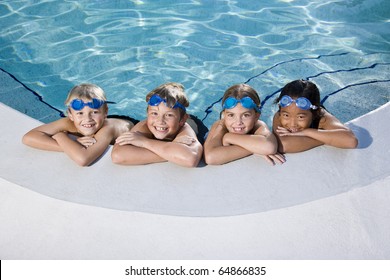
column 172, row 93
column 86, row 91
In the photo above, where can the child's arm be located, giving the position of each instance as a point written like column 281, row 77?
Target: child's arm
column 41, row 136
column 262, row 142
column 215, row 152
column 184, row 150
column 125, row 153
column 331, row 132
column 85, row 155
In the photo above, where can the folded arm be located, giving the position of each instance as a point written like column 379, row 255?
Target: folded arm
column 331, row 132
column 214, row 150
column 137, row 147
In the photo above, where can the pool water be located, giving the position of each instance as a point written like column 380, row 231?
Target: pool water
column 130, row 47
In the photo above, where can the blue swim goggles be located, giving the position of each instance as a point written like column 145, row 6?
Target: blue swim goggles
column 155, row 100
column 246, row 102
column 78, row 104
column 301, row 102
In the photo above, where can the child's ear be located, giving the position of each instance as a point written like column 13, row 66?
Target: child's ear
column 183, row 119
column 70, row 116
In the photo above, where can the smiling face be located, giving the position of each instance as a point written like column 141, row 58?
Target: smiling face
column 164, row 122
column 295, row 119
column 239, row 119
column 88, row 121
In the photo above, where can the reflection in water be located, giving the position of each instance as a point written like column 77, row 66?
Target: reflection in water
column 129, row 47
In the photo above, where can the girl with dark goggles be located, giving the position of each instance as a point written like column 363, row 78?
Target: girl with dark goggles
column 246, row 102
column 78, row 104
column 301, row 102
column 155, row 100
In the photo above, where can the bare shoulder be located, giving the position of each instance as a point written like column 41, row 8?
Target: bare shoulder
column 329, row 121
column 261, row 128
column 186, row 130
column 119, row 125
column 63, row 124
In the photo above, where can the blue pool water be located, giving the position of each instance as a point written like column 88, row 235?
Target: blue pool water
column 130, row 47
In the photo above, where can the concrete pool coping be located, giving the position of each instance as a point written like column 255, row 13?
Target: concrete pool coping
column 353, row 224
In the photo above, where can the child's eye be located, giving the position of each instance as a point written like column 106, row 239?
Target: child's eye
column 247, row 115
column 230, row 115
column 284, row 115
column 170, row 115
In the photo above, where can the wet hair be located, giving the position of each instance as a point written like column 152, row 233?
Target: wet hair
column 302, row 88
column 242, row 90
column 172, row 92
column 86, row 91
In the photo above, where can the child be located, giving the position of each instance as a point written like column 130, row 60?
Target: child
column 164, row 135
column 302, row 123
column 240, row 133
column 85, row 133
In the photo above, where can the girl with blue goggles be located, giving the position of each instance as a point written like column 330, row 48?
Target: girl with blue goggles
column 301, row 102
column 246, row 102
column 78, row 104
column 312, row 125
column 155, row 100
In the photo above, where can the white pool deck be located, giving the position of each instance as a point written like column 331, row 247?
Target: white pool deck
column 52, row 209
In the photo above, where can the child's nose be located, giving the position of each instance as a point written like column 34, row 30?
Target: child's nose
column 293, row 123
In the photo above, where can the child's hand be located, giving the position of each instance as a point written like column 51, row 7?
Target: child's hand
column 132, row 138
column 275, row 159
column 86, row 141
column 281, row 131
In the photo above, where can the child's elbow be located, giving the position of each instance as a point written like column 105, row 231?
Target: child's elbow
column 269, row 149
column 352, row 143
column 210, row 159
column 272, row 149
column 191, row 161
column 116, row 158
column 82, row 161
column 26, row 139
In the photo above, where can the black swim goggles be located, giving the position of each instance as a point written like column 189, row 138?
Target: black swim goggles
column 78, row 104
column 301, row 102
column 155, row 100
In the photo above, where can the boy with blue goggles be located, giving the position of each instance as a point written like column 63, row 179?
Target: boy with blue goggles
column 301, row 102
column 246, row 102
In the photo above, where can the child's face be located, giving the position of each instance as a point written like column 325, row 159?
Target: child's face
column 88, row 121
column 164, row 122
column 240, row 120
column 295, row 119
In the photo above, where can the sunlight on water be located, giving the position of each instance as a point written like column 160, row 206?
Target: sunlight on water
column 130, row 47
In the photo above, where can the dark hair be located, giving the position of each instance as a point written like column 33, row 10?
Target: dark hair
column 302, row 88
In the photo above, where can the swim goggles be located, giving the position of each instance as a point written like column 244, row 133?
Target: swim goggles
column 246, row 102
column 78, row 104
column 301, row 102
column 155, row 100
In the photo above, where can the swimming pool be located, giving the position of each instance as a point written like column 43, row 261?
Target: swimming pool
column 130, row 47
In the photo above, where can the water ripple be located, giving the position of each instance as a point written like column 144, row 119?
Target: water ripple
column 129, row 47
